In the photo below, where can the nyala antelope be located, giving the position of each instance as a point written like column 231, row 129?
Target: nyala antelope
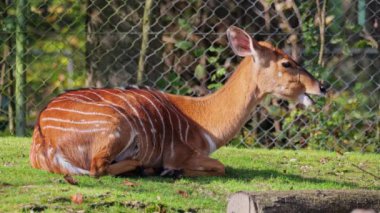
column 115, row 131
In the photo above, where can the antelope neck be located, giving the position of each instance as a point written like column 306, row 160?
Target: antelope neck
column 223, row 113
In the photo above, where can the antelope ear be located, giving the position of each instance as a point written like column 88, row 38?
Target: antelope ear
column 241, row 43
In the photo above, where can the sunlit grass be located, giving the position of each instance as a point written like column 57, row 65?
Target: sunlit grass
column 247, row 169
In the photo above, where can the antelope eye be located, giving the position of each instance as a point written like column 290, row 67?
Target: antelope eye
column 286, row 64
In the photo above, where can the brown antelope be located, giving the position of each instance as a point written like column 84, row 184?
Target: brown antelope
column 114, row 131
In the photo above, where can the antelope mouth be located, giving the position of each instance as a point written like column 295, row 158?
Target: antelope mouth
column 305, row 100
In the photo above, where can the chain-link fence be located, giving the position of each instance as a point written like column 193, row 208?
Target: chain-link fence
column 181, row 47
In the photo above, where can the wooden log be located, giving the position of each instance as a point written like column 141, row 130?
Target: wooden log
column 315, row 201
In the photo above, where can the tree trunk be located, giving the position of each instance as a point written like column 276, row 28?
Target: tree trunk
column 316, row 201
column 20, row 72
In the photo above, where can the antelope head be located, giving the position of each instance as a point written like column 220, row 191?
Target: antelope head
column 276, row 72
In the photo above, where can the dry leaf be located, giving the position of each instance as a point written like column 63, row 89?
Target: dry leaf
column 129, row 183
column 77, row 198
column 324, row 160
column 183, row 193
column 69, row 179
column 305, row 168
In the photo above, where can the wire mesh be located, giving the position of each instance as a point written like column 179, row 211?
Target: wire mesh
column 97, row 43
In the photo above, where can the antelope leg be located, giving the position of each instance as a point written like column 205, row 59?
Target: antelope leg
column 123, row 167
column 201, row 165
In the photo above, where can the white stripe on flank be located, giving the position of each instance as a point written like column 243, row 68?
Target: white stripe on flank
column 62, row 162
column 161, row 118
column 154, row 135
column 82, row 150
column 180, row 127
column 183, row 117
column 74, row 129
column 125, row 152
column 60, row 99
column 172, row 144
column 134, row 111
column 140, row 121
column 110, row 105
column 144, row 143
column 161, row 101
column 79, row 95
column 49, row 152
column 187, row 131
column 129, row 105
column 163, row 129
column 210, row 142
column 75, row 122
column 77, row 111
column 147, row 140
column 171, row 125
column 150, row 120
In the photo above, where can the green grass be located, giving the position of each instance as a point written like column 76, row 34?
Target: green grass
column 250, row 170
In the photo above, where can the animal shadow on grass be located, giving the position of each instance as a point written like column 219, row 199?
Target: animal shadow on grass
column 247, row 175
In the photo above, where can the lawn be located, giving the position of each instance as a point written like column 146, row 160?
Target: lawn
column 24, row 188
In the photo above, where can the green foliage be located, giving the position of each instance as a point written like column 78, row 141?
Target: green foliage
column 184, row 24
column 200, row 72
column 344, row 123
column 56, row 37
column 183, row 45
column 173, row 83
column 215, row 60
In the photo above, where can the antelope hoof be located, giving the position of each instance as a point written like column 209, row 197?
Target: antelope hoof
column 98, row 173
column 173, row 173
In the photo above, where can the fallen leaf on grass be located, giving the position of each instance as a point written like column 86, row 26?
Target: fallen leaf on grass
column 183, row 193
column 129, row 183
column 26, row 188
column 305, row 168
column 77, row 198
column 69, row 179
column 324, row 160
column 8, row 164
